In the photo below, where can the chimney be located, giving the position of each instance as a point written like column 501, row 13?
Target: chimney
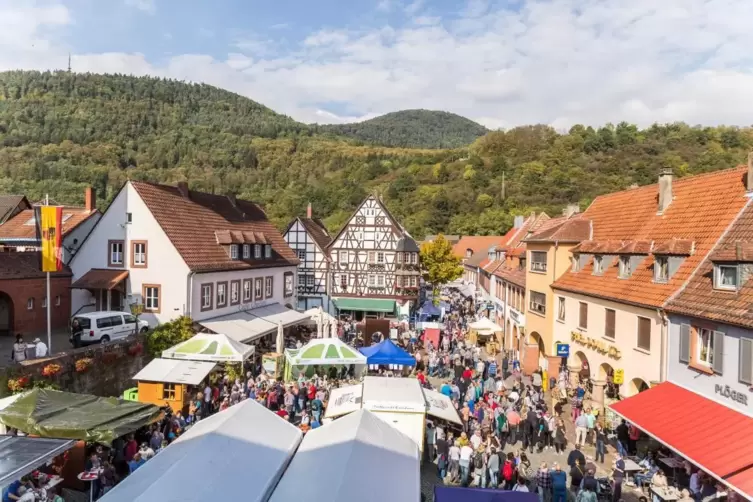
column 518, row 221
column 750, row 172
column 183, row 189
column 90, row 199
column 665, row 189
column 570, row 210
column 308, row 211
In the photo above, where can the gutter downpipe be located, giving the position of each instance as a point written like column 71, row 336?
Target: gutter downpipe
column 663, row 348
column 187, row 310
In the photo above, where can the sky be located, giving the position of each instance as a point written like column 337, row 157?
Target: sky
column 502, row 63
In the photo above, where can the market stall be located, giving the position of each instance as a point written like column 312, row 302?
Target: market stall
column 22, row 456
column 210, row 348
column 323, row 356
column 386, row 353
column 358, row 457
column 483, row 330
column 171, row 382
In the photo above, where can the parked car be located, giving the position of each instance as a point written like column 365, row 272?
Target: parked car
column 103, row 326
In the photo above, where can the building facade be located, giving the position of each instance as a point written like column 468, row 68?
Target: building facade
column 309, row 238
column 374, row 264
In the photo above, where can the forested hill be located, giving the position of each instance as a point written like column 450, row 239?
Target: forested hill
column 60, row 132
column 413, row 129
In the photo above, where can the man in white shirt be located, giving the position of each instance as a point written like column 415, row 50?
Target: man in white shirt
column 476, row 439
column 454, row 454
column 40, row 348
column 466, row 452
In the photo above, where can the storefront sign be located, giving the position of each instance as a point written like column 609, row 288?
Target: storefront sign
column 596, row 345
column 618, row 377
column 517, row 317
column 725, row 391
column 563, row 350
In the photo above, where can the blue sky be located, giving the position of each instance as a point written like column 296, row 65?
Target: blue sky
column 502, row 63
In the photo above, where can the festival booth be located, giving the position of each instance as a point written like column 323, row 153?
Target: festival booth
column 401, row 402
column 210, row 348
column 322, row 355
column 358, row 457
column 22, row 456
column 238, row 454
column 171, row 382
column 386, row 353
column 323, row 321
column 483, row 331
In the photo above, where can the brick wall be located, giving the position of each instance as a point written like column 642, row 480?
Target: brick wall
column 109, row 375
column 34, row 321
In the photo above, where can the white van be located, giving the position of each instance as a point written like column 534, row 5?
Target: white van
column 101, row 327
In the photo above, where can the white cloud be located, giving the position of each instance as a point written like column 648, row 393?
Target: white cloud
column 147, row 6
column 550, row 61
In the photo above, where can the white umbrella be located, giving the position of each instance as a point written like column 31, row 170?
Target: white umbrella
column 280, row 338
column 333, row 330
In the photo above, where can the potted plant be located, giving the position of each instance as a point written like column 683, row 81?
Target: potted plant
column 51, row 370
column 83, row 364
column 16, row 385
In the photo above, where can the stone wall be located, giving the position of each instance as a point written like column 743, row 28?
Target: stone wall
column 109, row 373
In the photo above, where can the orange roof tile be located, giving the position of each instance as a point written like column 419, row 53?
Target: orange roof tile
column 700, row 299
column 702, row 208
column 674, row 246
column 575, row 228
column 734, row 251
column 100, row 278
column 22, row 225
column 515, row 275
column 191, row 223
column 477, row 244
column 25, row 265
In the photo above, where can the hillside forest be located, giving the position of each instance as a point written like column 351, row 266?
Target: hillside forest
column 60, row 132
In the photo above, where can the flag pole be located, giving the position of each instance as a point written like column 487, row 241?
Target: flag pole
column 49, row 311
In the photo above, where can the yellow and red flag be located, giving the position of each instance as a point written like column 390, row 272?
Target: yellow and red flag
column 50, row 234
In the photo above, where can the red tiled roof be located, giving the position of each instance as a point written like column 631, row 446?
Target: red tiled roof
column 515, row 275
column 702, row 208
column 575, row 228
column 316, row 229
column 191, row 223
column 239, row 237
column 674, row 246
column 17, row 228
column 100, row 278
column 26, row 265
column 734, row 251
column 603, row 247
column 680, row 419
column 699, row 298
column 10, row 202
column 492, row 266
column 477, row 244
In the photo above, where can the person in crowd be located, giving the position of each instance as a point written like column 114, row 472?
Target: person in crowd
column 40, row 348
column 19, row 349
column 560, row 439
column 618, row 476
column 623, row 437
column 576, row 456
column 559, row 483
column 576, row 476
column 658, row 481
column 466, row 454
column 601, row 442
column 508, row 471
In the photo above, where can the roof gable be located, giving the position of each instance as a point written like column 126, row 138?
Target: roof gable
column 317, row 231
column 373, row 202
column 23, row 226
column 9, row 203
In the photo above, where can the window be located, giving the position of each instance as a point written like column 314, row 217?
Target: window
column 625, row 268
column 575, row 263
column 235, row 292
column 221, row 294
column 151, row 294
column 257, row 251
column 104, row 322
column 372, row 280
column 414, row 281
column 116, row 320
column 468, row 253
column 246, row 251
column 598, row 264
column 30, row 304
column 343, row 256
column 661, row 269
column 538, row 261
column 234, row 251
column 301, row 254
column 644, row 333
column 705, row 347
column 44, row 302
column 115, row 250
column 725, row 276
column 206, row 296
column 560, row 309
column 267, row 251
column 380, row 258
column 343, row 280
column 138, row 254
column 609, row 318
column 371, row 256
column 268, row 287
column 380, row 281
column 538, row 303
column 399, row 257
column 288, row 283
column 168, row 392
column 309, row 280
column 583, row 316
column 258, row 289
column 129, row 218
column 247, row 297
column 57, row 301
column 745, row 367
column 414, row 258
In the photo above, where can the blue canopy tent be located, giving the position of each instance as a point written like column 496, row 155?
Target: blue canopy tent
column 458, row 494
column 429, row 310
column 386, row 352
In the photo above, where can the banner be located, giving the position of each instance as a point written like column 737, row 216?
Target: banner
column 50, row 234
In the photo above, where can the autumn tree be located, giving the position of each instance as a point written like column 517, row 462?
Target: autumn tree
column 439, row 265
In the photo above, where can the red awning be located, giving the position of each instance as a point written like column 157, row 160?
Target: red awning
column 708, row 434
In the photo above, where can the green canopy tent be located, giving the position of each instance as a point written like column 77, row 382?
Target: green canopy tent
column 211, row 348
column 65, row 415
column 323, row 353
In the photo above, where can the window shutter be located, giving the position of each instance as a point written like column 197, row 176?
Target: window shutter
column 746, row 361
column 685, row 343
column 718, row 352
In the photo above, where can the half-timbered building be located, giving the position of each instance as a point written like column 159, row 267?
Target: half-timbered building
column 309, row 239
column 374, row 269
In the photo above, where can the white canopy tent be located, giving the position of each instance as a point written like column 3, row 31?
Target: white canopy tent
column 175, row 371
column 358, row 457
column 238, row 454
column 440, row 406
column 344, row 400
column 210, row 348
column 485, row 325
column 248, row 325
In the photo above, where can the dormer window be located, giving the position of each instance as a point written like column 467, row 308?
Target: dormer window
column 257, row 251
column 246, row 251
column 726, row 277
column 233, row 251
column 598, row 264
column 267, row 251
column 575, row 262
column 625, row 267
column 661, row 269
column 468, row 253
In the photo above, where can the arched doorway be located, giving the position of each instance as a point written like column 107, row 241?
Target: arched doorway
column 6, row 314
column 606, row 374
column 535, row 340
column 637, row 385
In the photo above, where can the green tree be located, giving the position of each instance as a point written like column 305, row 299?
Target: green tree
column 169, row 334
column 439, row 265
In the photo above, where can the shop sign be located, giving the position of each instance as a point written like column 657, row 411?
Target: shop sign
column 563, row 350
column 517, row 317
column 618, row 377
column 597, row 345
column 725, row 391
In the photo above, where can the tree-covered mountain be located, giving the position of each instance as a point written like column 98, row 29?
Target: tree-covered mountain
column 60, row 132
column 413, row 129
